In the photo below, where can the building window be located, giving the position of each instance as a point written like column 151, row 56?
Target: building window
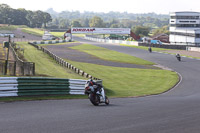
column 184, row 17
column 183, row 34
column 184, row 21
column 185, row 25
column 173, row 17
column 197, row 35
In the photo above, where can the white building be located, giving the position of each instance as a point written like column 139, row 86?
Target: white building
column 185, row 28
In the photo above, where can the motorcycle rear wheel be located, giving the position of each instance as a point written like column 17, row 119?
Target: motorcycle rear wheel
column 107, row 102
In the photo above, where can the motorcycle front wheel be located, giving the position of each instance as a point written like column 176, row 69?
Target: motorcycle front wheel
column 94, row 99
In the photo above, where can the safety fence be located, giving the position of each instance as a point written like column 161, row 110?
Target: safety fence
column 31, row 86
column 164, row 45
column 50, row 42
column 11, row 69
column 112, row 41
column 17, row 66
column 63, row 63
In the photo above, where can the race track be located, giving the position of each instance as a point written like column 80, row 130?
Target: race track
column 176, row 111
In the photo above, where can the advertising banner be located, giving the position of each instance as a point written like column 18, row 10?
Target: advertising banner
column 83, row 30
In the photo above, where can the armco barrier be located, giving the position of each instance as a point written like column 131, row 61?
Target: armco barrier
column 30, row 86
column 50, row 42
column 135, row 43
column 167, row 46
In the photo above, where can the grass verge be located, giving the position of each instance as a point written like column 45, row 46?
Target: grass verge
column 11, row 27
column 118, row 81
column 110, row 55
column 37, row 32
column 40, row 32
column 45, row 65
column 130, row 82
column 58, row 34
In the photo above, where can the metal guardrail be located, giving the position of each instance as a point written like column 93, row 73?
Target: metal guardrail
column 30, row 86
column 50, row 42
column 175, row 45
column 111, row 41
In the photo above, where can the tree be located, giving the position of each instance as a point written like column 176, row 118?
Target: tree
column 141, row 30
column 6, row 14
column 20, row 17
column 85, row 22
column 75, row 23
column 63, row 24
column 164, row 29
column 47, row 18
column 23, row 17
column 96, row 22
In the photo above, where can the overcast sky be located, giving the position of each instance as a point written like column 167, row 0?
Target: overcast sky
column 130, row 6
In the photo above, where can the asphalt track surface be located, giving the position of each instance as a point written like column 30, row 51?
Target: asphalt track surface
column 65, row 52
column 176, row 111
column 21, row 37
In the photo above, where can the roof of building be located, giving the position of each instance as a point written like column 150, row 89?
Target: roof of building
column 158, row 35
column 184, row 12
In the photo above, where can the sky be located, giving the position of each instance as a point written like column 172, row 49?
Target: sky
column 130, row 6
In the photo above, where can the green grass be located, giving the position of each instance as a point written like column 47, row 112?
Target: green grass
column 79, row 35
column 130, row 82
column 12, row 27
column 118, row 82
column 58, row 34
column 40, row 32
column 110, row 55
column 37, row 32
column 45, row 65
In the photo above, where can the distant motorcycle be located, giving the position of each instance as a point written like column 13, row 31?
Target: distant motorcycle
column 96, row 93
column 178, row 57
column 150, row 50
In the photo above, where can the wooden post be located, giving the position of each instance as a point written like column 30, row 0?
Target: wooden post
column 33, row 71
column 15, row 68
column 7, row 57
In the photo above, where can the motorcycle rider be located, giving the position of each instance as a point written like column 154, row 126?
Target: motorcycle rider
column 98, row 87
column 150, row 50
column 178, row 56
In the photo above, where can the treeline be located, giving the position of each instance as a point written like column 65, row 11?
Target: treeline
column 67, row 19
column 141, row 24
column 21, row 16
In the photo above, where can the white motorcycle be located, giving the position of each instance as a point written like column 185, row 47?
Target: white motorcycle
column 96, row 93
